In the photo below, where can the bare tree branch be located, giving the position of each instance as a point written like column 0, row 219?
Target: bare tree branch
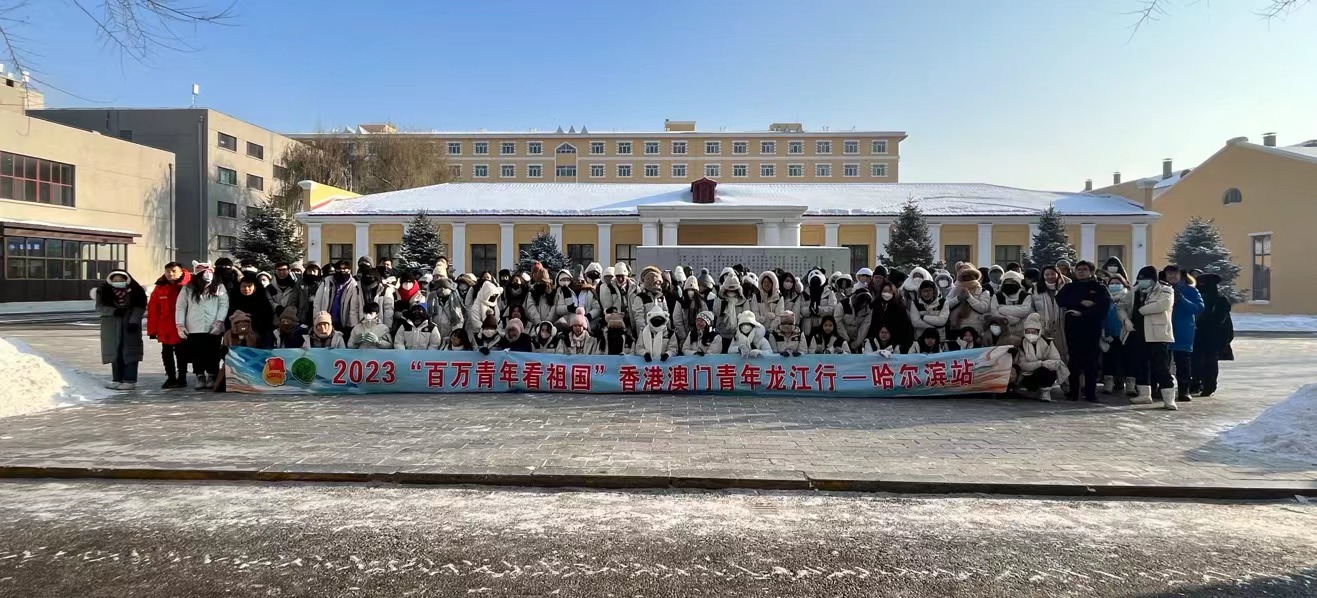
column 1154, row 10
column 1279, row 9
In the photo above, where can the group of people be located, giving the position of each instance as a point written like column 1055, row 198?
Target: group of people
column 1071, row 326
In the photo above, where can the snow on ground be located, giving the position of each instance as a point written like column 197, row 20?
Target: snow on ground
column 1273, row 323
column 29, row 382
column 1285, row 430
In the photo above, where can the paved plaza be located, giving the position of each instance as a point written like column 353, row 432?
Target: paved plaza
column 918, row 440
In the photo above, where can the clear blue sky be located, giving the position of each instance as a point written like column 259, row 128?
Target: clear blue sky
column 1030, row 93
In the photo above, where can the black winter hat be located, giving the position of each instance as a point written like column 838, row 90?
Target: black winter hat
column 1147, row 273
column 928, row 284
column 880, row 270
column 251, row 277
column 371, row 308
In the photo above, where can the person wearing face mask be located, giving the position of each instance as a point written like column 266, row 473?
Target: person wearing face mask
column 656, row 340
column 1086, row 303
column 465, row 289
column 227, row 275
column 842, row 286
column 672, row 287
column 121, row 305
column 728, row 306
column 966, row 338
column 617, row 294
column 406, row 295
column 910, row 287
column 587, row 294
column 310, row 283
column 786, row 339
column 751, row 340
column 825, row 340
column 288, row 293
column 484, row 309
column 253, row 301
column 687, row 308
column 577, row 340
column 1146, row 330
column 1113, row 350
column 487, row 336
column 944, row 281
column 1044, row 304
column 703, row 338
column 417, row 332
column 266, row 282
column 514, row 294
column 291, row 333
column 970, row 304
column 515, row 339
column 793, row 297
column 819, row 301
column 446, row 310
column 1014, row 304
column 1038, row 364
column 1188, row 304
column 1111, row 266
column 340, row 296
column 771, row 304
column 371, row 332
column 546, row 337
column 1212, row 336
column 929, row 311
column 368, row 278
column 202, row 308
column 646, row 297
column 323, row 335
column 161, row 327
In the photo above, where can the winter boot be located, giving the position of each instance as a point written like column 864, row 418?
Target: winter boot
column 1182, row 395
column 202, row 384
column 1142, row 395
column 113, row 385
column 169, row 383
column 1207, row 392
column 1108, row 383
column 128, row 386
column 1168, row 398
column 1131, row 390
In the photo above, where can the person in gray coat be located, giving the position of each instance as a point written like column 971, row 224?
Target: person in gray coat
column 121, row 304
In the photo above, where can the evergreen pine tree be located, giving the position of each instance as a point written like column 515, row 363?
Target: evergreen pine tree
column 910, row 244
column 1199, row 246
column 1051, row 244
column 268, row 236
column 543, row 249
column 421, row 245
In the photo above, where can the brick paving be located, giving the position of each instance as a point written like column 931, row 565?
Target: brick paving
column 957, row 440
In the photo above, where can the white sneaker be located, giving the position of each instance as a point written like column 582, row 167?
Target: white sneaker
column 113, row 385
column 1142, row 396
column 127, row 386
column 1168, row 399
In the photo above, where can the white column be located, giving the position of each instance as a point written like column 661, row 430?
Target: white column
column 669, row 233
column 790, row 234
column 935, row 233
column 507, row 251
column 457, row 248
column 831, row 236
column 649, row 233
column 1088, row 242
column 604, row 252
column 313, row 251
column 1138, row 247
column 882, row 236
column 362, row 247
column 555, row 230
column 761, row 234
column 772, row 234
column 1033, row 232
column 985, row 245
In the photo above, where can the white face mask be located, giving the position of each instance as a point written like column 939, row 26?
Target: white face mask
column 995, row 330
column 1113, row 269
column 944, row 283
column 264, row 283
column 407, row 286
column 488, row 333
column 1031, row 337
column 370, row 317
column 887, row 296
column 207, row 276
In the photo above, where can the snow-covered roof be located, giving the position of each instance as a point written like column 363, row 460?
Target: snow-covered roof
column 1307, row 149
column 604, row 199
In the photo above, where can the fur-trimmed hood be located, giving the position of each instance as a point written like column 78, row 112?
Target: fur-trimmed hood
column 911, row 283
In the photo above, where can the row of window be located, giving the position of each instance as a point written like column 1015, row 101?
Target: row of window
column 228, row 142
column 767, row 170
column 38, row 258
column 653, row 148
column 24, row 178
column 229, row 176
column 484, row 256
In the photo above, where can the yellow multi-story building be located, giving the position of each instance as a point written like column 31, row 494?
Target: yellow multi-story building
column 784, row 153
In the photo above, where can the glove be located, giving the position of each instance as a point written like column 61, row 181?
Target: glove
column 699, row 353
column 182, row 332
column 754, row 353
column 795, row 353
column 648, row 358
column 217, row 327
column 484, row 350
column 663, row 357
column 786, row 354
column 885, row 354
column 368, row 337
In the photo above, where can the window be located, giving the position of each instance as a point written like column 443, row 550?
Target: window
column 25, row 178
column 859, row 256
column 507, row 148
column 768, row 147
column 596, row 171
column 1232, row 195
column 39, row 259
column 484, row 257
column 796, row 147
column 625, row 254
column 878, row 146
column 387, row 251
column 568, row 171
column 126, row 134
column 255, row 182
column 1106, row 252
column 480, row 171
column 454, row 148
column 651, row 148
column 228, row 142
column 878, row 170
column 823, row 147
column 740, row 170
column 227, row 176
column 535, row 148
column 850, row 147
column 795, row 170
column 507, row 171
column 624, row 148
column 740, row 147
column 535, row 171
column 822, row 170
column 482, row 148
column 455, row 171
column 767, row 170
column 679, row 147
column 581, row 254
column 713, row 170
column 255, row 151
column 226, row 242
column 713, row 147
column 679, row 171
column 651, row 170
column 957, row 253
column 1261, row 267
column 596, row 148
column 1005, row 254
column 566, row 148
column 339, row 251
column 226, row 209
column 623, row 170
column 280, row 172
column 850, row 170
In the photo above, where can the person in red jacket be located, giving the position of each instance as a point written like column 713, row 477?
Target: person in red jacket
column 160, row 323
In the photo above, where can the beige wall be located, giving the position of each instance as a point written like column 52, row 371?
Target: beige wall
column 117, row 185
column 717, row 234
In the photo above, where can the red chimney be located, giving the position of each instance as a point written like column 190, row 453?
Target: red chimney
column 702, row 191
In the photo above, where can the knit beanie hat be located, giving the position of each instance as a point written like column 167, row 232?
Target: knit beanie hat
column 707, row 316
column 578, row 319
column 239, row 317
column 515, row 324
column 615, row 320
column 288, row 313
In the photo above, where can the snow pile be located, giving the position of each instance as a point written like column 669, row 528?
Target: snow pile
column 31, row 383
column 1284, row 430
column 1273, row 323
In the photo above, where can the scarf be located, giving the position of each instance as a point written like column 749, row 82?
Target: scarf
column 120, row 297
column 406, row 294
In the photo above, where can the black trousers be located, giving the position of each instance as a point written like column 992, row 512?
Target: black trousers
column 1184, row 372
column 1148, row 363
column 1041, row 378
column 1085, row 359
column 1113, row 363
column 1207, row 365
column 204, row 352
column 175, row 358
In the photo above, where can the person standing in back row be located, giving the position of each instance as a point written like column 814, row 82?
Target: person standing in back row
column 160, row 324
column 1086, row 303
